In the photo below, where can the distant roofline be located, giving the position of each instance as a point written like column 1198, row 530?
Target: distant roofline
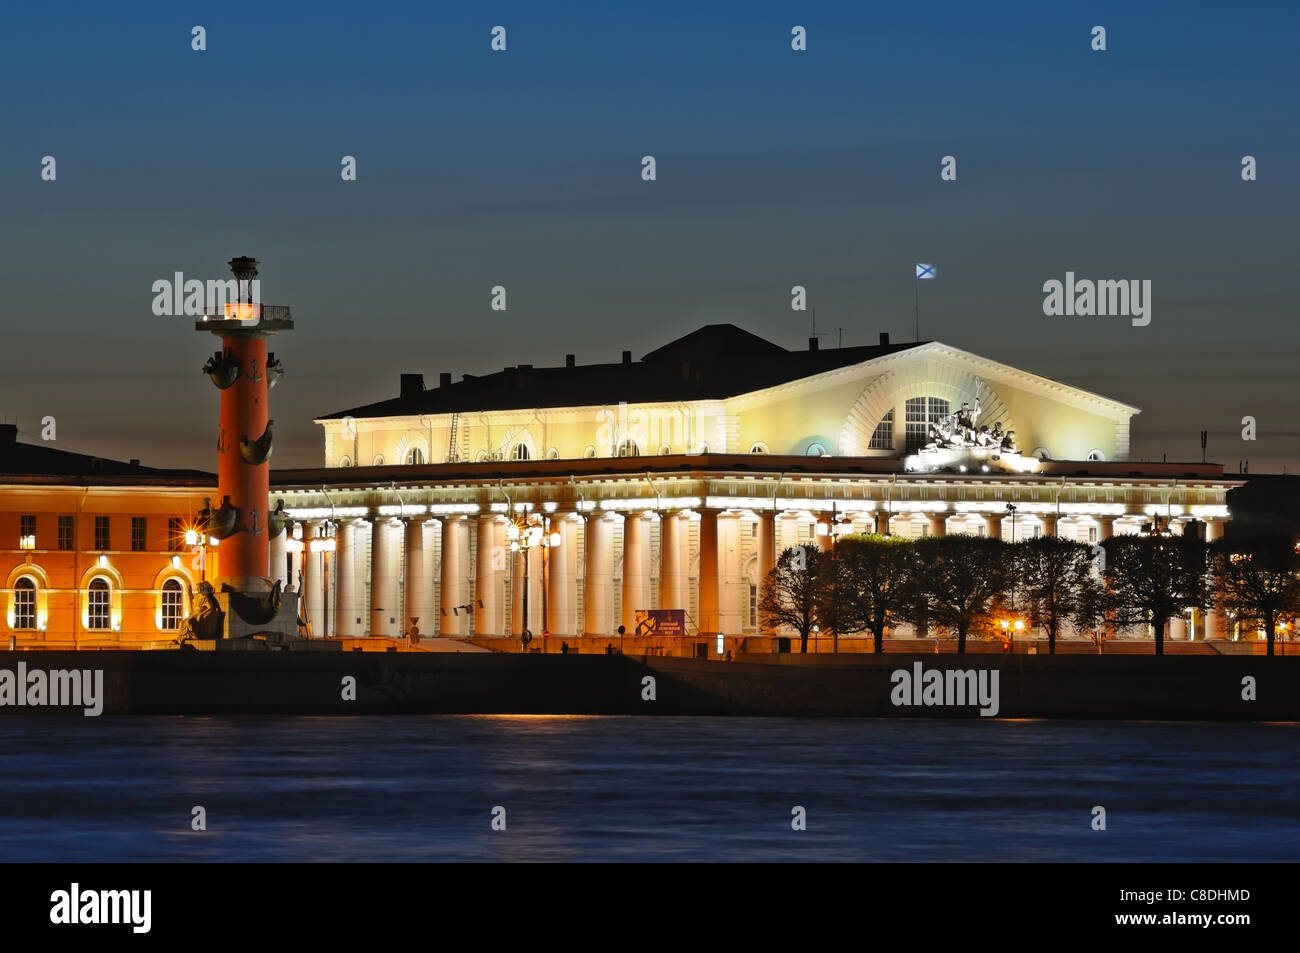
column 661, row 363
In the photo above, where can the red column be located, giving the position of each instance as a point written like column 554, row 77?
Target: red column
column 243, row 416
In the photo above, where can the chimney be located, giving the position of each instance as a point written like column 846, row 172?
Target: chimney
column 627, row 357
column 135, row 461
column 444, row 379
column 570, row 361
column 884, row 338
column 412, row 384
column 8, row 433
column 812, row 344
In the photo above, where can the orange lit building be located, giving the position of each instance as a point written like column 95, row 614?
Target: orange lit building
column 93, row 551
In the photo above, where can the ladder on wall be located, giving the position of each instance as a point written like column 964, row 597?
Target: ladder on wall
column 451, row 443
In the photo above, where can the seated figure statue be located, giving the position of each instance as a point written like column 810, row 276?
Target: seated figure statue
column 205, row 621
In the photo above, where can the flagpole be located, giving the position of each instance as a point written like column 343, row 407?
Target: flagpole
column 916, row 289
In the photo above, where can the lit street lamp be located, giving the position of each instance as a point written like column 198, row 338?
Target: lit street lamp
column 525, row 536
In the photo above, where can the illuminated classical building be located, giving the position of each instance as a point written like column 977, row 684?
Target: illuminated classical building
column 673, row 481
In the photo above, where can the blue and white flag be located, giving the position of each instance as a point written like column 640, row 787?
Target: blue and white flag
column 925, row 271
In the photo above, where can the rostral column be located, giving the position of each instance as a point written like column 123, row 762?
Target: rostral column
column 244, row 439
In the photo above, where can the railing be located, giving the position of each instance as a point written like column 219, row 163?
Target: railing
column 245, row 311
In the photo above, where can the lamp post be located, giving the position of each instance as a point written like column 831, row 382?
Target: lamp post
column 198, row 546
column 525, row 536
column 325, row 545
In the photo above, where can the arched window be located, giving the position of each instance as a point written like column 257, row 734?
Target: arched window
column 758, row 448
column 553, row 454
column 379, row 460
column 589, row 453
column 415, row 456
column 173, row 605
column 665, row 450
column 628, row 448
column 98, row 596
column 345, row 462
column 24, row 604
column 882, row 438
column 1095, row 454
column 816, row 450
column 520, row 452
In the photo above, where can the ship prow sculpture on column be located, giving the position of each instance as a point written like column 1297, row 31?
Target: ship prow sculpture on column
column 246, row 604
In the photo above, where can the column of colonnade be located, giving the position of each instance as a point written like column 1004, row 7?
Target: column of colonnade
column 454, row 574
column 312, row 579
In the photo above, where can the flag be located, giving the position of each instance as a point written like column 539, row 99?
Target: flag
column 925, row 271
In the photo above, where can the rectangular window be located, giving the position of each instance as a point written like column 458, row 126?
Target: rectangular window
column 27, row 532
column 753, row 606
column 138, row 527
column 175, row 534
column 101, row 532
column 98, row 604
column 1092, row 534
column 883, row 437
column 65, row 533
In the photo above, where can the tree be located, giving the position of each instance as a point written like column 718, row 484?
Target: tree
column 957, row 578
column 1153, row 579
column 790, row 591
column 870, row 588
column 1260, row 582
column 1055, row 583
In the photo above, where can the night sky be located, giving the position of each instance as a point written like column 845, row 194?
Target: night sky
column 523, row 169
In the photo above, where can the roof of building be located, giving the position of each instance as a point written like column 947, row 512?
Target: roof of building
column 715, row 362
column 36, row 460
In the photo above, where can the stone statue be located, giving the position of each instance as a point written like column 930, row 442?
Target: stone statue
column 205, row 622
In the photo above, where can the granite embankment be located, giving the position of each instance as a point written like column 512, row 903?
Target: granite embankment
column 890, row 685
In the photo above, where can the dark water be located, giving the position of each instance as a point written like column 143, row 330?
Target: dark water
column 585, row 788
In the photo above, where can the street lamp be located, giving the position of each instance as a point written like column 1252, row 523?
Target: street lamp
column 525, row 536
column 324, row 545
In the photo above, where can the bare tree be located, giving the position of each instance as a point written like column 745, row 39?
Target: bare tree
column 1260, row 582
column 1054, row 583
column 1153, row 579
column 957, row 579
column 789, row 594
column 870, row 588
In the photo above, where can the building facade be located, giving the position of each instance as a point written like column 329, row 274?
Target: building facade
column 93, row 552
column 674, row 481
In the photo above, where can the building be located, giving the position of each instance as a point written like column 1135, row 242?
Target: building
column 93, row 551
column 673, row 482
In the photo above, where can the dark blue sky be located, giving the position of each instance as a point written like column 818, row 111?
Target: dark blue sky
column 522, row 169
